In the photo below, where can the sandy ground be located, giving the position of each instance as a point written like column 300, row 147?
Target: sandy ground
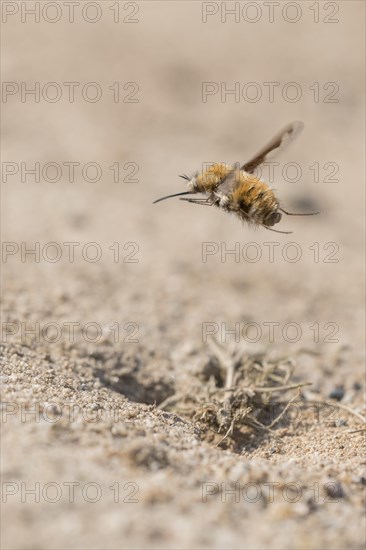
column 107, row 441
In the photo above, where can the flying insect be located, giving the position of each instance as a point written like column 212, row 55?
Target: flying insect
column 236, row 189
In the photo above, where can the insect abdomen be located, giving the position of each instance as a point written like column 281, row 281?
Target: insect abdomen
column 252, row 200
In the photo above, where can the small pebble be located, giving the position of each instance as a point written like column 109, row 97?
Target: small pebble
column 334, row 490
column 337, row 393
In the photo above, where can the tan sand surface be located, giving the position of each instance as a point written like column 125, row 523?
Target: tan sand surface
column 108, row 440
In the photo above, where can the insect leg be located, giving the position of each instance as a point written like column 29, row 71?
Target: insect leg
column 277, row 231
column 293, row 214
column 204, row 202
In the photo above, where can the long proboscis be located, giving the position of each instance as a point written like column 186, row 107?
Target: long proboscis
column 174, row 195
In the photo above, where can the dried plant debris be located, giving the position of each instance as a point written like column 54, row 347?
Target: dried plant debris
column 244, row 393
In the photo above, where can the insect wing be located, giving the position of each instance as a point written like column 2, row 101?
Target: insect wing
column 277, row 144
column 232, row 180
column 228, row 185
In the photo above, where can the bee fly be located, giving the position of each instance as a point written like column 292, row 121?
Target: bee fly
column 238, row 190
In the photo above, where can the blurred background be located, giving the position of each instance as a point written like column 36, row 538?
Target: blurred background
column 151, row 64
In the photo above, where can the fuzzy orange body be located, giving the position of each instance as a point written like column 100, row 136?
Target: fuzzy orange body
column 208, row 181
column 253, row 201
column 236, row 191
